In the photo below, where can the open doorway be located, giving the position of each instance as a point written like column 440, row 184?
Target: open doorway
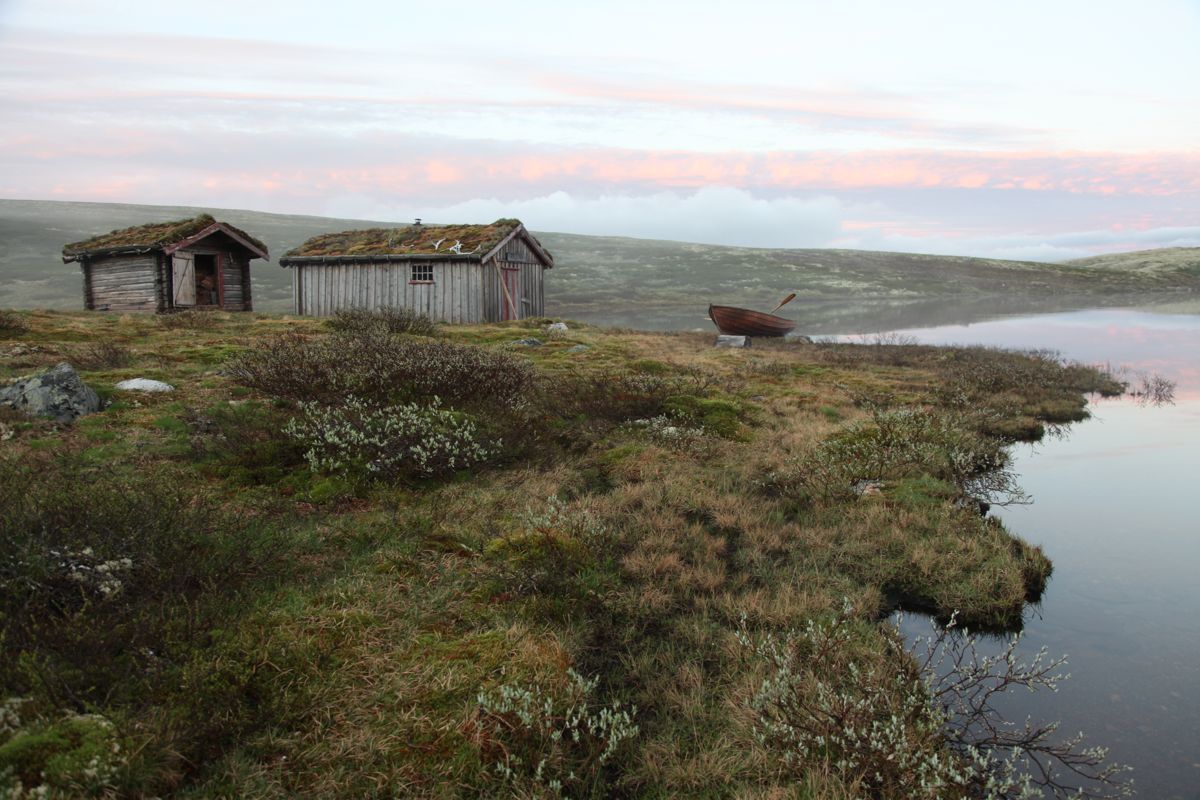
column 208, row 283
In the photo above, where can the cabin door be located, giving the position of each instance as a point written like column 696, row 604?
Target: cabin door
column 183, row 280
column 510, row 303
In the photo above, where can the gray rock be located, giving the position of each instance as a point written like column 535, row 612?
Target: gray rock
column 579, row 348
column 867, row 488
column 57, row 393
column 144, row 385
column 732, row 341
column 556, row 327
column 530, row 342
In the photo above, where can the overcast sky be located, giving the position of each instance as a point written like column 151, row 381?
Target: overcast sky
column 1043, row 130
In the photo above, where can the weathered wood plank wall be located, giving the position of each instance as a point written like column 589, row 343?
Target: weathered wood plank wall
column 531, row 300
column 454, row 295
column 233, row 275
column 124, row 283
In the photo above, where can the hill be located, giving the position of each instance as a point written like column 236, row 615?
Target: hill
column 1163, row 261
column 641, row 283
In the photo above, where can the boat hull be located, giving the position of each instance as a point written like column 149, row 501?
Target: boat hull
column 744, row 322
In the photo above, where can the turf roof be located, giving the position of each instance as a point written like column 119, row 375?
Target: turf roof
column 476, row 240
column 154, row 234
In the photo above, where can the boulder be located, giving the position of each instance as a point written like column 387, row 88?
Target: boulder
column 556, row 327
column 144, row 385
column 724, row 340
column 58, row 393
column 579, row 348
column 530, row 342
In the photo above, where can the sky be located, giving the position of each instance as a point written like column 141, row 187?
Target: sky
column 1043, row 130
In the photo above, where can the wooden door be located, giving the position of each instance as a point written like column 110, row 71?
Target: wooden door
column 510, row 305
column 183, row 280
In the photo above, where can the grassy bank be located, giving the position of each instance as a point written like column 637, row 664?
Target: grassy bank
column 365, row 559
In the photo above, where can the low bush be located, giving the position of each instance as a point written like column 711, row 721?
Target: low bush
column 106, row 580
column 549, row 549
column 542, row 745
column 361, row 441
column 391, row 319
column 623, row 396
column 901, row 725
column 244, row 443
column 77, row 755
column 383, row 369
column 104, row 355
column 12, row 324
column 904, row 443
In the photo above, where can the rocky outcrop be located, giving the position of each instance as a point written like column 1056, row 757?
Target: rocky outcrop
column 58, row 393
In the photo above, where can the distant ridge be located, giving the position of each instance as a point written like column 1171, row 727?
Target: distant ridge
column 1164, row 259
column 648, row 283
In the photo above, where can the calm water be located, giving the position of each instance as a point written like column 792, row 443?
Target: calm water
column 1115, row 507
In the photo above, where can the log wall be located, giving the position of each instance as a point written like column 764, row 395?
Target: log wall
column 234, row 273
column 122, row 283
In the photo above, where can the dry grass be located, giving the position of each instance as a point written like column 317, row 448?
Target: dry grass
column 414, row 599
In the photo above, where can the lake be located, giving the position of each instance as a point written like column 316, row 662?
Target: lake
column 1112, row 509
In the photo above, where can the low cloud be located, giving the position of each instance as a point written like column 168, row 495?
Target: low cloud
column 711, row 216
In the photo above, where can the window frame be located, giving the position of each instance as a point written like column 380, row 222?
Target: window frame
column 420, row 269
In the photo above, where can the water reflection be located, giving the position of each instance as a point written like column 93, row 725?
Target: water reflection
column 1113, row 510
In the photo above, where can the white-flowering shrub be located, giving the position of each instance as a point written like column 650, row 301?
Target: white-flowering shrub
column 909, row 728
column 101, row 577
column 670, row 431
column 554, row 745
column 356, row 439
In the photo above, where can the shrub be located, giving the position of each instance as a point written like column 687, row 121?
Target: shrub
column 97, row 571
column 384, row 369
column 78, row 755
column 12, row 324
column 904, row 443
column 904, row 727
column 392, row 319
column 104, row 355
column 356, row 439
column 622, row 396
column 543, row 744
column 244, row 442
column 549, row 549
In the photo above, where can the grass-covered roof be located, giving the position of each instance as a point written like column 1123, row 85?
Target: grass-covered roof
column 153, row 234
column 412, row 240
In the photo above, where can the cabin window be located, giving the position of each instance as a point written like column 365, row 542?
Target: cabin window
column 422, row 273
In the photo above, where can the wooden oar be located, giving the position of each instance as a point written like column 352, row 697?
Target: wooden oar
column 786, row 300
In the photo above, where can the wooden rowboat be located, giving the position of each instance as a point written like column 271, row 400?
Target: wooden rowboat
column 744, row 322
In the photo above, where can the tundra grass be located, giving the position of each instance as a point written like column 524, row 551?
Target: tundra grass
column 361, row 661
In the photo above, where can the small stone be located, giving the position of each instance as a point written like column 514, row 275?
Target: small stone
column 724, row 340
column 579, row 348
column 144, row 385
column 58, row 393
column 556, row 327
column 867, row 488
column 530, row 342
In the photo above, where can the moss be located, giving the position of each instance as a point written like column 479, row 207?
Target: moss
column 153, row 234
column 414, row 240
column 720, row 417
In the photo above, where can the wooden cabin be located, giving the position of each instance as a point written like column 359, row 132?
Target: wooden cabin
column 167, row 266
column 452, row 273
